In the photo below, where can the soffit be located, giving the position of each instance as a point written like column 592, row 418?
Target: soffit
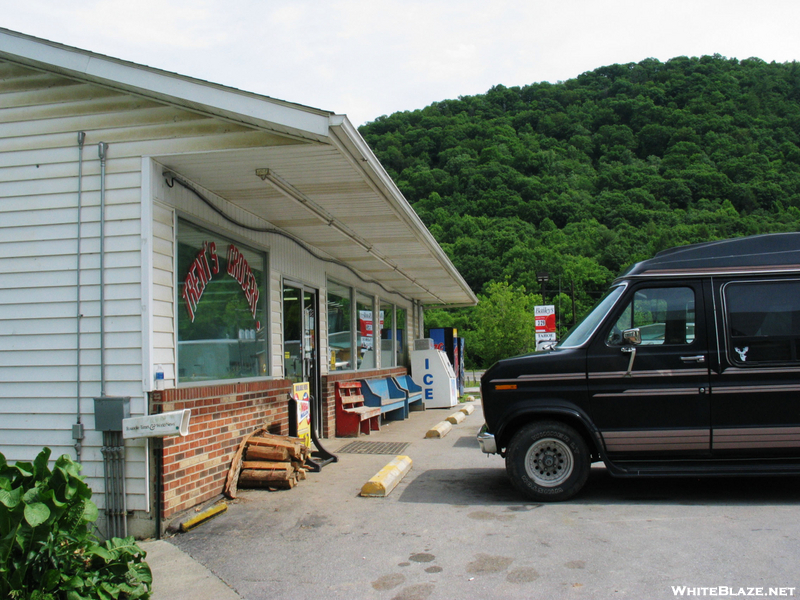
column 346, row 216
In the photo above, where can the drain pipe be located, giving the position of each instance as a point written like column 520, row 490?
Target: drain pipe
column 77, row 428
column 159, row 453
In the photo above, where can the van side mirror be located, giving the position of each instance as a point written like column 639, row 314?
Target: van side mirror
column 632, row 336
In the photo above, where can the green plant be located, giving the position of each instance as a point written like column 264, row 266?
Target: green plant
column 47, row 548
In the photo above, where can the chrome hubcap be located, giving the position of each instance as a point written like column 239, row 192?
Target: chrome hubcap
column 549, row 462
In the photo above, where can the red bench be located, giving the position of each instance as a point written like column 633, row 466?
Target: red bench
column 352, row 417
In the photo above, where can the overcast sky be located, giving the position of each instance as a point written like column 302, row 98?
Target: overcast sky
column 367, row 58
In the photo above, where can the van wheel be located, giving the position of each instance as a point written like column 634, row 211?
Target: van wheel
column 548, row 461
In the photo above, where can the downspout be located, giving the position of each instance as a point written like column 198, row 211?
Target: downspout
column 77, row 429
column 159, row 452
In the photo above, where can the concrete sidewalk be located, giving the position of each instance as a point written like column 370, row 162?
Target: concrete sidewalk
column 178, row 576
column 455, row 527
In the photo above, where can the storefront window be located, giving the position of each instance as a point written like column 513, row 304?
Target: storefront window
column 366, row 338
column 222, row 307
column 402, row 342
column 340, row 328
column 387, row 339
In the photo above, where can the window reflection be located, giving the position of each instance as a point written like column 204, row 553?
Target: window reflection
column 222, row 307
column 340, row 328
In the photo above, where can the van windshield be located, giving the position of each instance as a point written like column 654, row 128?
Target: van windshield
column 581, row 333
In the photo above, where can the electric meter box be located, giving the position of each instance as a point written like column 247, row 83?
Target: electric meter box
column 109, row 412
column 431, row 370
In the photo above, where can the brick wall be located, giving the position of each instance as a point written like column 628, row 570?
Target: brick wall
column 195, row 466
column 328, row 392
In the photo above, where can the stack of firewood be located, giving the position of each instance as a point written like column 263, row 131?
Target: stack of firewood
column 267, row 461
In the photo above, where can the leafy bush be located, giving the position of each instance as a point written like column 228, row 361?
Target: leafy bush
column 47, row 548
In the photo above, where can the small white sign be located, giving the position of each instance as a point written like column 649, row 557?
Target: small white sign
column 544, row 341
column 175, row 422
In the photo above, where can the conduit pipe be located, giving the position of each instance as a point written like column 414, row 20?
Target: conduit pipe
column 77, row 429
column 102, row 151
column 113, row 451
column 113, row 444
column 291, row 192
column 172, row 178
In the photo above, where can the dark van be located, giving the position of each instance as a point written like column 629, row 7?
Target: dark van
column 689, row 365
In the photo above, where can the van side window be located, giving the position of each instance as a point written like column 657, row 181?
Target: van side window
column 664, row 316
column 763, row 320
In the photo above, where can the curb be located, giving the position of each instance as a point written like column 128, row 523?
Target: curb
column 387, row 478
column 203, row 516
column 468, row 409
column 456, row 417
column 439, row 430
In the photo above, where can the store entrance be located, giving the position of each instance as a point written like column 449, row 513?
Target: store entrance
column 301, row 341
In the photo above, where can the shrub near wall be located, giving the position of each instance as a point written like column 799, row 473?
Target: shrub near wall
column 47, row 548
column 195, row 466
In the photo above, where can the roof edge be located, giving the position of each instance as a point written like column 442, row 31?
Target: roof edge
column 261, row 111
column 374, row 173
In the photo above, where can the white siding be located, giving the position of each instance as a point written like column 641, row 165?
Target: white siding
column 40, row 332
column 40, row 117
column 164, row 291
column 39, row 272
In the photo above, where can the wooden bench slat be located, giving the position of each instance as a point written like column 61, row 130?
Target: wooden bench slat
column 352, row 416
column 352, row 399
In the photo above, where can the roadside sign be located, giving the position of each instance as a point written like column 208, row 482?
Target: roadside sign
column 175, row 422
column 545, row 325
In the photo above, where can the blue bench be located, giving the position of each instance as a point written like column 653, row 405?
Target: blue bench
column 412, row 390
column 385, row 394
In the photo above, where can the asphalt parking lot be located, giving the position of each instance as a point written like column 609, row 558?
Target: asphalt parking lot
column 455, row 528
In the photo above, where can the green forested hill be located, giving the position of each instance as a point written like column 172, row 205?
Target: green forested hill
column 584, row 177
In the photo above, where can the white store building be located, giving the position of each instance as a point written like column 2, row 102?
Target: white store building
column 187, row 245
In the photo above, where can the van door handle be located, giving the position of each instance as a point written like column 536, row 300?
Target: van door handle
column 700, row 358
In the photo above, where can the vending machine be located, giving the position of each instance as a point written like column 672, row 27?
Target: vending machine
column 447, row 340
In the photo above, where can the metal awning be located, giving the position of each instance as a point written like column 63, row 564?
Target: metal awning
column 337, row 203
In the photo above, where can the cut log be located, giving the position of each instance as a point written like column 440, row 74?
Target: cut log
column 279, row 440
column 231, row 482
column 263, row 465
column 266, row 460
column 296, row 449
column 257, row 477
column 283, row 485
column 270, row 453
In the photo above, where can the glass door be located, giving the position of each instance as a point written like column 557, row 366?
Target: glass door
column 301, row 341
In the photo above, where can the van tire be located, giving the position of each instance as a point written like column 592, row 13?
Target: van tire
column 548, row 461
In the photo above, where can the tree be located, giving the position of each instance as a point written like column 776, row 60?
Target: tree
column 504, row 323
column 584, row 177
